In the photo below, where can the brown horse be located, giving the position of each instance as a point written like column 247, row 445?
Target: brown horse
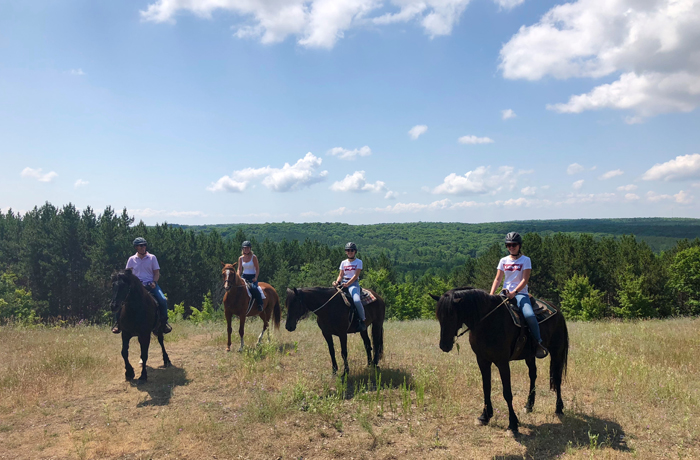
column 237, row 302
column 137, row 317
column 493, row 336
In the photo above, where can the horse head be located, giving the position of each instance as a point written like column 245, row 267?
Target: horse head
column 295, row 308
column 122, row 282
column 229, row 275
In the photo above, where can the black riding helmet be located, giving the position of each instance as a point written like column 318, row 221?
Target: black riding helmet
column 139, row 241
column 246, row 244
column 351, row 245
column 514, row 237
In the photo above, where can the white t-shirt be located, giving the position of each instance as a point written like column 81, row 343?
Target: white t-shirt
column 513, row 270
column 349, row 268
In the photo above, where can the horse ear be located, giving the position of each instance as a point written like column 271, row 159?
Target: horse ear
column 295, row 291
column 128, row 271
column 289, row 292
column 222, row 264
column 435, row 297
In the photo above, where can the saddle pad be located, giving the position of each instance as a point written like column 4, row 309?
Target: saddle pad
column 366, row 297
column 543, row 311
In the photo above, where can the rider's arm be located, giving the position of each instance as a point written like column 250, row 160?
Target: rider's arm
column 354, row 278
column 240, row 266
column 526, row 278
column 257, row 268
column 340, row 277
column 156, row 276
column 497, row 281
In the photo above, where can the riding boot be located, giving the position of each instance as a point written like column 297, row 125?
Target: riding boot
column 541, row 351
column 166, row 328
column 361, row 326
column 116, row 329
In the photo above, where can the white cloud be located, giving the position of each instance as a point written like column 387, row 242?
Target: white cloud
column 444, row 204
column 627, row 188
column 631, row 196
column 391, row 195
column 317, row 23
column 78, row 72
column 650, row 46
column 416, row 131
column 80, row 183
column 508, row 114
column 682, row 167
column 345, row 154
column 474, row 140
column 148, row 212
column 301, row 174
column 356, row 182
column 529, row 191
column 477, row 182
column 338, row 212
column 611, row 174
column 574, row 168
column 683, row 197
column 582, row 198
column 508, row 4
column 310, row 214
column 578, row 184
column 38, row 175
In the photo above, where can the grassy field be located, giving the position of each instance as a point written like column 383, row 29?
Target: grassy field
column 632, row 391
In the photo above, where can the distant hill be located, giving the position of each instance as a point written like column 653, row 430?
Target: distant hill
column 417, row 246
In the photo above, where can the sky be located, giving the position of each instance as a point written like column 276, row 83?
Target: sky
column 356, row 111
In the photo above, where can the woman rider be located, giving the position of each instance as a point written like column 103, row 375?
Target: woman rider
column 248, row 269
column 516, row 269
column 349, row 277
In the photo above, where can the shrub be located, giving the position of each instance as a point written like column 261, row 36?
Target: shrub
column 177, row 313
column 634, row 303
column 685, row 279
column 581, row 301
column 16, row 303
column 207, row 312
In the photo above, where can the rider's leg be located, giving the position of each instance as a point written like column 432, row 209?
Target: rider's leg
column 531, row 320
column 256, row 294
column 354, row 290
column 157, row 293
column 116, row 329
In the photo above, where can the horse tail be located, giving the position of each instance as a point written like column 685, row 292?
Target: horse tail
column 378, row 333
column 277, row 313
column 560, row 357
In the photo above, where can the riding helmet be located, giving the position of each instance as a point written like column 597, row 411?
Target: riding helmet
column 246, row 244
column 514, row 237
column 351, row 245
column 139, row 241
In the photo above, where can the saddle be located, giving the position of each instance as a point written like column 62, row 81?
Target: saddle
column 366, row 297
column 543, row 311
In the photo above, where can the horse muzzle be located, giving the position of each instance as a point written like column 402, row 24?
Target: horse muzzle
column 446, row 346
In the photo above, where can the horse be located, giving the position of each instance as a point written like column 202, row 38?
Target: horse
column 333, row 317
column 237, row 302
column 493, row 336
column 137, row 318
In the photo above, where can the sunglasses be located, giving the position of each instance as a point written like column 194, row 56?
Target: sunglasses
column 140, row 245
column 511, row 245
column 350, row 250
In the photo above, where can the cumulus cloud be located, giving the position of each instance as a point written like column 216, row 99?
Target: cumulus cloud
column 627, row 188
column 681, row 197
column 478, row 182
column 578, row 184
column 356, row 182
column 474, row 140
column 78, row 72
column 80, row 183
column 680, row 168
column 529, row 191
column 416, row 131
column 611, row 174
column 445, row 204
column 37, row 174
column 574, row 168
column 631, row 197
column 301, row 174
column 318, row 23
column 338, row 212
column 345, row 154
column 508, row 114
column 649, row 46
column 391, row 195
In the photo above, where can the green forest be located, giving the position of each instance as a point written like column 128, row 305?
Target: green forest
column 55, row 263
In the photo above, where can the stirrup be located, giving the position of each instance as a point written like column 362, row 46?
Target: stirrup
column 541, row 352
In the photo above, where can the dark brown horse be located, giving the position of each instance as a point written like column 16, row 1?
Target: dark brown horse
column 237, row 302
column 333, row 319
column 137, row 318
column 492, row 336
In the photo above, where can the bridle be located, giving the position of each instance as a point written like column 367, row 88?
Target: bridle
column 483, row 318
column 227, row 274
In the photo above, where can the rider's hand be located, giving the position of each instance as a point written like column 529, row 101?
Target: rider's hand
column 510, row 294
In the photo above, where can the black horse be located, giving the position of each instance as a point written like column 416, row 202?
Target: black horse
column 493, row 336
column 137, row 318
column 333, row 317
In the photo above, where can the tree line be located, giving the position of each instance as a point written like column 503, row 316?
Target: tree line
column 57, row 262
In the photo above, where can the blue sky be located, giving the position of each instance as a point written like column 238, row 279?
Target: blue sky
column 358, row 111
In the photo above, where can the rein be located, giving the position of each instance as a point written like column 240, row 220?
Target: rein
column 338, row 291
column 487, row 315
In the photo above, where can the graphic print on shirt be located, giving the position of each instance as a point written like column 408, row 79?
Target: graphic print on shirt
column 512, row 267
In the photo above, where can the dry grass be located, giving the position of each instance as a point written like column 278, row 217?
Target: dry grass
column 632, row 391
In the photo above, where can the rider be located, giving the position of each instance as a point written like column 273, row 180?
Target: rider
column 144, row 266
column 248, row 269
column 349, row 277
column 516, row 269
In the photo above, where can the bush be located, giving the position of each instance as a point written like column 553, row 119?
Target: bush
column 16, row 303
column 177, row 313
column 685, row 280
column 207, row 312
column 581, row 301
column 634, row 303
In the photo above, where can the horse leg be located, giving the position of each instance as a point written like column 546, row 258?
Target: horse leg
column 166, row 358
column 241, row 329
column 144, row 341
column 487, row 413
column 504, row 369
column 229, row 329
column 129, row 374
column 331, row 349
column 532, row 367
column 368, row 346
column 265, row 324
column 344, row 353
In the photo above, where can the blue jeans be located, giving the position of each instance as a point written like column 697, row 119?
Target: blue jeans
column 249, row 277
column 157, row 294
column 525, row 306
column 354, row 290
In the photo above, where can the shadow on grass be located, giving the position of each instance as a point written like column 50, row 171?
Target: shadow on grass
column 576, row 431
column 371, row 377
column 160, row 385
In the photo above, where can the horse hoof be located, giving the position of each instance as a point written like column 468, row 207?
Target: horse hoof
column 240, row 349
column 141, row 380
column 511, row 433
column 228, row 348
column 140, row 361
column 527, row 409
column 167, row 364
column 479, row 422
